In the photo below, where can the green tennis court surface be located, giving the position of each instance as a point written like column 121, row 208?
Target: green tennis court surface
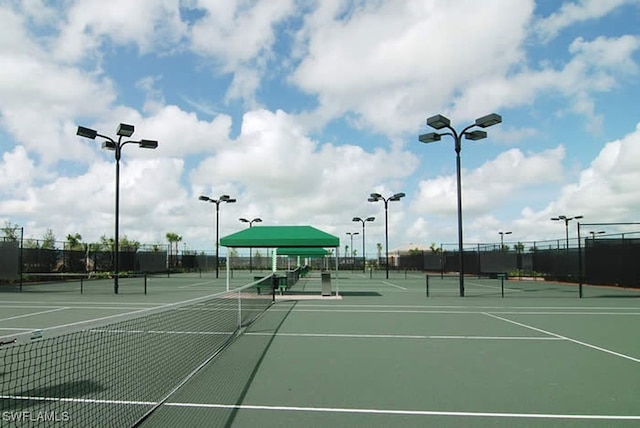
column 384, row 354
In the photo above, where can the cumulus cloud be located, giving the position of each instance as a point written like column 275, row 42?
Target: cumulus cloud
column 572, row 12
column 389, row 63
column 491, row 184
column 146, row 24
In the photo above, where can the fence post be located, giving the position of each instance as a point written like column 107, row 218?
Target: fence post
column 427, row 284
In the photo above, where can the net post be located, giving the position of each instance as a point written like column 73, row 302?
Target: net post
column 274, row 285
column 427, row 275
column 81, row 285
column 579, row 263
column 145, row 283
column 239, row 309
column 502, row 285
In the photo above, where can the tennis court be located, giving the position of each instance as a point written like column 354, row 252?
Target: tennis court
column 384, row 354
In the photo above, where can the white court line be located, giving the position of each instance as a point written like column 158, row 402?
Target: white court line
column 32, row 314
column 333, row 409
column 393, row 285
column 49, row 304
column 577, row 308
column 403, row 336
column 91, row 306
column 406, row 412
column 578, row 342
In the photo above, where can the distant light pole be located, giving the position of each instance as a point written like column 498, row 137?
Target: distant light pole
column 502, row 239
column 566, row 224
column 593, row 234
column 222, row 198
column 124, row 130
column 375, row 197
column 363, row 221
column 351, row 235
column 255, row 220
column 439, row 122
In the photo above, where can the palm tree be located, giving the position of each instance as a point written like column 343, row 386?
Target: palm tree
column 173, row 238
column 379, row 247
column 74, row 242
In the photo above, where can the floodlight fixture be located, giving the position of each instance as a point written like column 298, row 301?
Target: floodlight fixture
column 109, row 145
column 148, row 144
column 429, row 137
column 475, row 135
column 489, row 120
column 125, row 130
column 87, row 132
column 438, row 122
column 204, row 198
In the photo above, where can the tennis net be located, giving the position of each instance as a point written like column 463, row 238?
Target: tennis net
column 115, row 371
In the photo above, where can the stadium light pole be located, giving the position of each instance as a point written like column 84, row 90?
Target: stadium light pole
column 351, row 235
column 123, row 131
column 566, row 224
column 363, row 221
column 255, row 220
column 222, row 198
column 502, row 239
column 375, row 197
column 439, row 122
column 593, row 234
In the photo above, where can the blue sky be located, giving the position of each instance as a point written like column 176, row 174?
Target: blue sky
column 301, row 109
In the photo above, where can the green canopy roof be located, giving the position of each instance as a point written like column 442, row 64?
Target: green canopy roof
column 302, row 252
column 280, row 236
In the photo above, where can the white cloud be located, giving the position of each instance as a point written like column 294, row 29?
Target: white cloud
column 573, row 12
column 608, row 189
column 17, row 172
column 147, row 24
column 239, row 37
column 392, row 63
column 490, row 185
column 237, row 32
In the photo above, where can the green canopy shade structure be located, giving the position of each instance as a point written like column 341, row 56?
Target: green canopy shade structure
column 281, row 236
column 302, row 252
column 306, row 239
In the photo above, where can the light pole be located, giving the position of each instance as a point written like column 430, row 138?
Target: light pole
column 593, row 234
column 351, row 235
column 363, row 221
column 502, row 239
column 255, row 220
column 439, row 122
column 222, row 198
column 566, row 224
column 124, row 130
column 375, row 197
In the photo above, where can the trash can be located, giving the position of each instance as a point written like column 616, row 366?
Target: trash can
column 326, row 283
